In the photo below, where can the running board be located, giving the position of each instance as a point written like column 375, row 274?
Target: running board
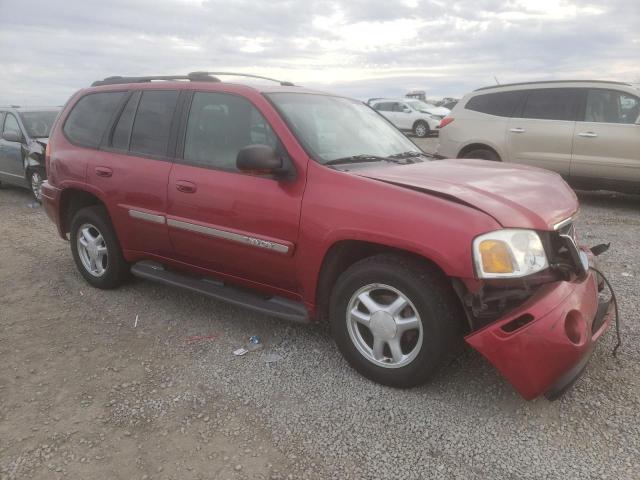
column 275, row 306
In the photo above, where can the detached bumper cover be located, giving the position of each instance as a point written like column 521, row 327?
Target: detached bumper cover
column 51, row 205
column 560, row 324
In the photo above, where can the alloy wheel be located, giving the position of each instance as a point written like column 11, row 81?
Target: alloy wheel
column 384, row 325
column 36, row 184
column 92, row 250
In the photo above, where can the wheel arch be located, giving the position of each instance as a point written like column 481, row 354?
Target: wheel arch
column 71, row 201
column 479, row 145
column 344, row 253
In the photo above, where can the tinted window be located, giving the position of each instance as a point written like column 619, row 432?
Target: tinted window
column 551, row 104
column 151, row 126
column 501, row 104
column 11, row 124
column 87, row 121
column 219, row 126
column 400, row 107
column 610, row 106
column 122, row 130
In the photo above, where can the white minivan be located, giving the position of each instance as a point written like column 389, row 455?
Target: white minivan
column 587, row 131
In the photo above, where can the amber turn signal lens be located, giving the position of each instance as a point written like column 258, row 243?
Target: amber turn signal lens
column 496, row 257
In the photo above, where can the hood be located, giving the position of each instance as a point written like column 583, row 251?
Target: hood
column 517, row 196
column 40, row 142
column 440, row 111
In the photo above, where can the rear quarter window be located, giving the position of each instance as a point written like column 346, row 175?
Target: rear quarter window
column 501, row 104
column 86, row 123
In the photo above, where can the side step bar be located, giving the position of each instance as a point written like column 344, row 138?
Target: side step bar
column 275, row 306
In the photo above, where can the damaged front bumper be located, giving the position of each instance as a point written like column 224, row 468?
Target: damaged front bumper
column 544, row 344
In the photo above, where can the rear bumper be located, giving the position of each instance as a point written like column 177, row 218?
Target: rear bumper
column 560, row 325
column 51, row 205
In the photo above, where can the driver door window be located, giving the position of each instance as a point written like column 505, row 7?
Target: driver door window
column 609, row 106
column 219, row 126
column 11, row 124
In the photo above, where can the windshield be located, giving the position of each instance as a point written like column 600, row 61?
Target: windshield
column 38, row 124
column 331, row 128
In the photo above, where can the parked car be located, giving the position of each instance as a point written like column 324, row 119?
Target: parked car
column 309, row 206
column 23, row 139
column 410, row 115
column 587, row 131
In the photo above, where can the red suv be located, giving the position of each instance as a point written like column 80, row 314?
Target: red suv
column 305, row 206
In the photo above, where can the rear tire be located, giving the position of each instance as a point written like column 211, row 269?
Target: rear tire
column 482, row 154
column 408, row 339
column 421, row 129
column 96, row 250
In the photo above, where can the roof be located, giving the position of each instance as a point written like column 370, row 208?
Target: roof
column 545, row 82
column 30, row 109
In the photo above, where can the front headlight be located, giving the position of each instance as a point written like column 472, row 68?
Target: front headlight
column 508, row 253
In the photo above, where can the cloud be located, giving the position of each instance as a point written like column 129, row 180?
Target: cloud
column 361, row 48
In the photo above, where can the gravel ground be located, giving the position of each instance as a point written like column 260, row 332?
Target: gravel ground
column 88, row 391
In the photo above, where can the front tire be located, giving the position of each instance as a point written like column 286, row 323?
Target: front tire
column 35, row 178
column 96, row 250
column 421, row 129
column 395, row 320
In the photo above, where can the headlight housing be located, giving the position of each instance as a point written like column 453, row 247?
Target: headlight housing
column 508, row 253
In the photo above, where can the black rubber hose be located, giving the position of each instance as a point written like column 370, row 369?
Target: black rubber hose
column 615, row 305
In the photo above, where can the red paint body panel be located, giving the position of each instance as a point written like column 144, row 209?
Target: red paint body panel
column 432, row 209
column 535, row 356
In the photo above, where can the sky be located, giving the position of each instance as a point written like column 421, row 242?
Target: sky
column 361, row 48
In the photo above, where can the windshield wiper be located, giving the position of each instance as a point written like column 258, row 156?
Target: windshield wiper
column 360, row 159
column 410, row 154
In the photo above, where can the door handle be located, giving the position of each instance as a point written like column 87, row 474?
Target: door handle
column 104, row 171
column 517, row 130
column 587, row 134
column 186, row 187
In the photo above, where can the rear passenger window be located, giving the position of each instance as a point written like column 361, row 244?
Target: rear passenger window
column 501, row 104
column 551, row 104
column 219, row 126
column 150, row 134
column 122, row 130
column 89, row 118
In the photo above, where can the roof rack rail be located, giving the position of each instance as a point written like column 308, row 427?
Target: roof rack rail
column 235, row 74
column 542, row 82
column 193, row 77
column 116, row 80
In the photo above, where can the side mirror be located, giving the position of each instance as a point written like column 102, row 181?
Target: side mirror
column 12, row 136
column 259, row 159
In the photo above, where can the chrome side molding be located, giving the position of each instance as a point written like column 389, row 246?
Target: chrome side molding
column 232, row 236
column 149, row 217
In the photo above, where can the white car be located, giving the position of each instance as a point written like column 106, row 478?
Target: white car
column 587, row 131
column 410, row 115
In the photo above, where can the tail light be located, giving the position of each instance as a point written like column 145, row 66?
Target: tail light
column 47, row 157
column 446, row 121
